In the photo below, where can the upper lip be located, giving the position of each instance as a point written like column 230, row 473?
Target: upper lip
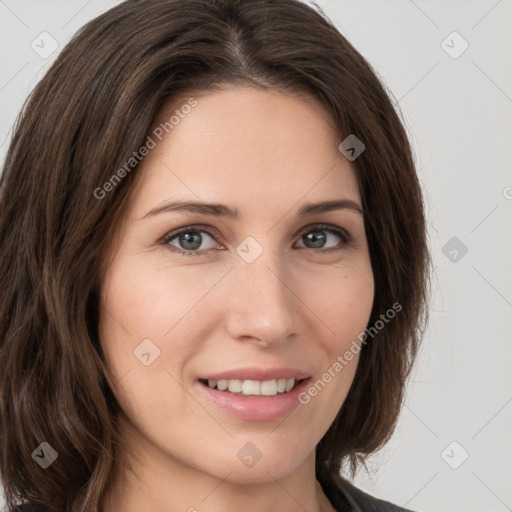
column 258, row 374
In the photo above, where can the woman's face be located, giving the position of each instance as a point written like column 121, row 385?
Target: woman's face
column 256, row 297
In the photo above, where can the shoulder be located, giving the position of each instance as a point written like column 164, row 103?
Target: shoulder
column 345, row 496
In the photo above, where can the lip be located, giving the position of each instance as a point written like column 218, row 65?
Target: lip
column 262, row 374
column 255, row 407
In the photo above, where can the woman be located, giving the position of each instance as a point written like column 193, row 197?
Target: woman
column 214, row 266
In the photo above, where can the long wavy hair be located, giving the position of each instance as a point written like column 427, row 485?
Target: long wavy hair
column 88, row 115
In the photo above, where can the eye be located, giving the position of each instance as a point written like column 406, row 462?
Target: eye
column 188, row 240
column 318, row 235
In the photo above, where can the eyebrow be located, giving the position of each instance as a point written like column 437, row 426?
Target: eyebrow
column 222, row 210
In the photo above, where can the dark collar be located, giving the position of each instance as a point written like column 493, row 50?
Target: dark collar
column 345, row 497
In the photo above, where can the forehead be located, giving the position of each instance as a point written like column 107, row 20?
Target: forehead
column 250, row 148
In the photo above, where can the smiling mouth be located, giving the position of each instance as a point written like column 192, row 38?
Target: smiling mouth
column 267, row 388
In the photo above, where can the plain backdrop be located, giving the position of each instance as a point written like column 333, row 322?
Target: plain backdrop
column 448, row 64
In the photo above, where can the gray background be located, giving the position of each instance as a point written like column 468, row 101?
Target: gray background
column 457, row 110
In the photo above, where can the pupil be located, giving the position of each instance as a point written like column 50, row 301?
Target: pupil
column 317, row 240
column 190, row 241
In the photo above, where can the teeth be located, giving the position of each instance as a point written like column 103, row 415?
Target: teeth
column 222, row 385
column 269, row 387
column 235, row 386
column 253, row 387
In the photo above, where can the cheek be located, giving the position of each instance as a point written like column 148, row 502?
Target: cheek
column 341, row 297
column 142, row 332
column 154, row 296
column 152, row 300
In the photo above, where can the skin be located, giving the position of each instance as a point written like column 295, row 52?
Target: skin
column 267, row 154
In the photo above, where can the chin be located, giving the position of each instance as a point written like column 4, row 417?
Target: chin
column 273, row 464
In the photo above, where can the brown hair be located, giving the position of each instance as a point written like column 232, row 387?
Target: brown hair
column 83, row 121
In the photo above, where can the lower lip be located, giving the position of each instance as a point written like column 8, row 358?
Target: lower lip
column 256, row 407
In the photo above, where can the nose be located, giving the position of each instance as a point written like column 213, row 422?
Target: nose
column 262, row 307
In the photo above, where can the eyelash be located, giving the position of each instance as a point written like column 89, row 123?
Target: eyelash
column 343, row 235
